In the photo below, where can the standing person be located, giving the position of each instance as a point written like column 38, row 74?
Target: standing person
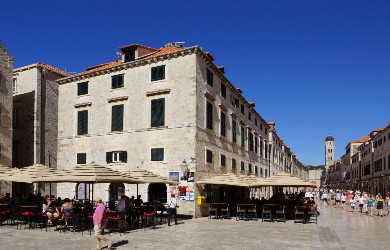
column 352, row 203
column 100, row 221
column 370, row 204
column 325, row 195
column 343, row 199
column 121, row 210
column 172, row 210
column 337, row 198
column 361, row 201
column 379, row 205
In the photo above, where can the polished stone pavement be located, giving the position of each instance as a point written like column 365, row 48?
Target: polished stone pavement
column 336, row 229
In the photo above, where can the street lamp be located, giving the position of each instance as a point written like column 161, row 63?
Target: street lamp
column 184, row 165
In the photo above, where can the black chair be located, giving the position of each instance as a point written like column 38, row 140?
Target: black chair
column 299, row 215
column 280, row 214
column 267, row 213
column 213, row 211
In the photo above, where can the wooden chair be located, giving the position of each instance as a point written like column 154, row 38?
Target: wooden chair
column 267, row 213
column 213, row 211
column 225, row 211
column 280, row 214
column 299, row 215
column 252, row 213
column 313, row 214
column 241, row 212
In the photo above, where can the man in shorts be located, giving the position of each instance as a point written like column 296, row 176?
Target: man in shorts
column 100, row 221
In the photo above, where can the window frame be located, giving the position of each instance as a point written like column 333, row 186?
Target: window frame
column 79, row 88
column 115, row 81
column 157, row 73
column 159, row 159
column 155, row 105
column 209, row 77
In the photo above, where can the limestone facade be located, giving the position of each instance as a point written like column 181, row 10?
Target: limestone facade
column 365, row 165
column 6, row 66
column 35, row 123
column 201, row 108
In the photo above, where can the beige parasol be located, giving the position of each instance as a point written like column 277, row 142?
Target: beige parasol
column 225, row 180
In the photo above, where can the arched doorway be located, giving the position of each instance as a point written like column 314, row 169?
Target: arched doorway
column 157, row 190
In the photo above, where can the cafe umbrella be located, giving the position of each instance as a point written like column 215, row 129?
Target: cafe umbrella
column 148, row 177
column 93, row 173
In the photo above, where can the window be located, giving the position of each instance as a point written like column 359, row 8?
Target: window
column 249, row 116
column 261, row 147
column 234, row 165
column 158, row 112
column 130, row 56
column 250, row 142
column 117, row 81
column 223, row 160
column 116, row 156
column 256, row 170
column 261, row 171
column 81, row 158
column 209, row 116
column 242, row 166
column 14, row 85
column 255, row 121
column 234, row 130
column 209, row 156
column 223, row 124
column 250, row 168
column 82, row 88
column 266, row 172
column 235, row 101
column 82, row 122
column 158, row 73
column 223, row 90
column 157, row 154
column 117, row 118
column 210, row 77
column 261, row 126
column 256, row 144
column 242, row 109
column 242, row 136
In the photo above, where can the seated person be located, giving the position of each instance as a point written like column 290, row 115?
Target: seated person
column 50, row 209
column 159, row 206
column 121, row 210
column 67, row 209
column 138, row 202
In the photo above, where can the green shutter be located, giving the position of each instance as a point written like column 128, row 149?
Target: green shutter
column 108, row 157
column 158, row 112
column 117, row 118
column 123, row 156
column 82, row 122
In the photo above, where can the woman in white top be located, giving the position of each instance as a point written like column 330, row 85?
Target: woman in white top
column 343, row 199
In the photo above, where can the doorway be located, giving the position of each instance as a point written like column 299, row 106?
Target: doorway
column 157, row 190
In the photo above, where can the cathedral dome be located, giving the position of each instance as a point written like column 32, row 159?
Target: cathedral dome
column 329, row 138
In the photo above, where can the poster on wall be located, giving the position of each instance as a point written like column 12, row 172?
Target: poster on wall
column 174, row 176
column 186, row 189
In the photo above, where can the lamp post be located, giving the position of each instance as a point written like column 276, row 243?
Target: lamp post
column 184, row 165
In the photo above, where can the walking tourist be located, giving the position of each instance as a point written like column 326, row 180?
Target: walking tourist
column 352, row 202
column 379, row 205
column 100, row 221
column 172, row 210
column 343, row 199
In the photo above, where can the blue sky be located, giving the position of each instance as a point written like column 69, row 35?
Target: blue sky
column 313, row 67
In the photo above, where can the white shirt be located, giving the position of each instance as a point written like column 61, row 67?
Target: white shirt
column 172, row 203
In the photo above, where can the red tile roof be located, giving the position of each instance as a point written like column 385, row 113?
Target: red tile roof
column 163, row 51
column 104, row 65
column 134, row 45
column 54, row 69
column 363, row 139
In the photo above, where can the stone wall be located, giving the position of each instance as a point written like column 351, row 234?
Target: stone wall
column 6, row 65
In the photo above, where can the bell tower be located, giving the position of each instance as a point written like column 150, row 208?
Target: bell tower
column 329, row 151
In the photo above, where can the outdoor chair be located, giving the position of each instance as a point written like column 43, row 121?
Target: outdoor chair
column 66, row 222
column 280, row 214
column 267, row 213
column 241, row 212
column 252, row 213
column 225, row 211
column 213, row 211
column 313, row 214
column 299, row 215
column 150, row 219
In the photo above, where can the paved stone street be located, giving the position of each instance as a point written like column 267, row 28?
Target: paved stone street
column 336, row 229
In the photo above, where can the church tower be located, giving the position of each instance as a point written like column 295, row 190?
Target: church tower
column 329, row 151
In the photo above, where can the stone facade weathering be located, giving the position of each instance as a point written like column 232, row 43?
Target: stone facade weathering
column 6, row 66
column 157, row 107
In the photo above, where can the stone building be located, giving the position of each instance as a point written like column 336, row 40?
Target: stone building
column 156, row 108
column 6, row 65
column 365, row 165
column 329, row 151
column 35, row 122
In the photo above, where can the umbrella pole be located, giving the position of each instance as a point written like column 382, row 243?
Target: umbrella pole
column 137, row 190
column 50, row 188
